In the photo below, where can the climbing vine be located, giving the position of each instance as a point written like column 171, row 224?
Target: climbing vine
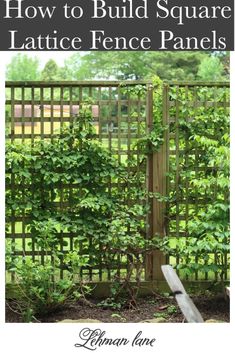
column 61, row 187
column 203, row 181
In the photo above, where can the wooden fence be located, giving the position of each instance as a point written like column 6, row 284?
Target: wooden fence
column 189, row 105
column 38, row 110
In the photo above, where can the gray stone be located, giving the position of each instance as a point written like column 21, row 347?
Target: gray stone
column 212, row 321
column 69, row 321
column 157, row 320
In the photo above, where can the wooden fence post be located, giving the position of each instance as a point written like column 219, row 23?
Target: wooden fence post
column 157, row 182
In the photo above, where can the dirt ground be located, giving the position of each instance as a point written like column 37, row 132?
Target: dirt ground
column 212, row 307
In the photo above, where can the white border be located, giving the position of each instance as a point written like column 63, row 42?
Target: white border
column 60, row 338
column 2, row 185
column 232, row 182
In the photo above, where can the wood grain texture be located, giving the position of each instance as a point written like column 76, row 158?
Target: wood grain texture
column 185, row 303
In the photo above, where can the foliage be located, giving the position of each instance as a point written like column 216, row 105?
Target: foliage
column 161, row 315
column 41, row 289
column 172, row 309
column 135, row 65
column 211, row 69
column 23, row 68
column 120, row 65
column 71, row 158
column 73, row 171
column 51, row 71
column 168, row 311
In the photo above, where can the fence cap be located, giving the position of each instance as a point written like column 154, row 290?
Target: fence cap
column 75, row 83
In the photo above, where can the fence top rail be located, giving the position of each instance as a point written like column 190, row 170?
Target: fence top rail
column 29, row 84
column 73, row 83
column 197, row 83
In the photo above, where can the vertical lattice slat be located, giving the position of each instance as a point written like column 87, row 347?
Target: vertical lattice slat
column 12, row 186
column 33, row 114
column 177, row 172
